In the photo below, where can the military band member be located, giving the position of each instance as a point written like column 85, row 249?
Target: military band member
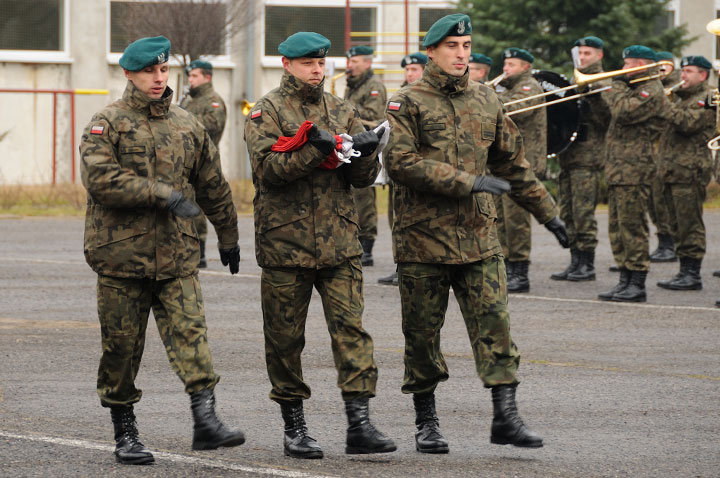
column 414, row 65
column 480, row 67
column 143, row 161
column 306, row 236
column 686, row 168
column 447, row 132
column 514, row 226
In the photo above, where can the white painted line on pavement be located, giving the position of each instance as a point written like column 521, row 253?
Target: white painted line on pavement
column 173, row 457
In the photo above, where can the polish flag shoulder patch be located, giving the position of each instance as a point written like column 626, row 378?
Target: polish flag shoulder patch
column 256, row 114
column 526, row 88
column 374, row 93
column 394, row 106
column 97, row 129
column 701, row 103
column 215, row 105
column 644, row 94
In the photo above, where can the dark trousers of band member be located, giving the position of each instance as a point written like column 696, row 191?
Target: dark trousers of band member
column 579, row 193
column 628, row 226
column 123, row 309
column 481, row 291
column 285, row 299
column 659, row 208
column 685, row 203
column 514, row 228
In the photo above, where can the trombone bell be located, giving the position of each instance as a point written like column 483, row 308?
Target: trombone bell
column 714, row 27
column 245, row 107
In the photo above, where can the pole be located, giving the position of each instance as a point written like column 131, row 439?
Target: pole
column 72, row 135
column 54, row 140
column 347, row 25
column 407, row 29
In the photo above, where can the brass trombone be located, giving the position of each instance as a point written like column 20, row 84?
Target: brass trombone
column 245, row 107
column 496, row 81
column 714, row 144
column 671, row 89
column 559, row 100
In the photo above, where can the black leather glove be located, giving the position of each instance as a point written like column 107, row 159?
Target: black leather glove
column 322, row 140
column 367, row 142
column 557, row 227
column 710, row 102
column 490, row 184
column 232, row 257
column 181, row 206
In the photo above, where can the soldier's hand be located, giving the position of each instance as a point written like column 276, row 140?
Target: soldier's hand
column 367, row 142
column 490, row 184
column 322, row 140
column 182, row 206
column 710, row 103
column 557, row 227
column 231, row 257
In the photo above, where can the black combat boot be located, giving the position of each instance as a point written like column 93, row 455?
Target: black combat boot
column 392, row 279
column 716, row 273
column 507, row 426
column 622, row 284
column 362, row 436
column 585, row 270
column 296, row 441
column 519, row 281
column 665, row 251
column 209, row 432
column 509, row 269
column 203, row 261
column 614, row 269
column 574, row 260
column 128, row 448
column 428, row 438
column 687, row 279
column 635, row 290
column 367, row 258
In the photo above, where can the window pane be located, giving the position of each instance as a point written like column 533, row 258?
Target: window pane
column 281, row 22
column 428, row 16
column 35, row 25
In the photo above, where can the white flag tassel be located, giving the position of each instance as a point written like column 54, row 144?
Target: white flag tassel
column 385, row 137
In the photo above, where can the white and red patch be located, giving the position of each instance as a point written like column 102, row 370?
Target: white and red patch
column 97, row 129
column 526, row 88
column 644, row 94
column 394, row 106
column 256, row 114
column 701, row 103
column 215, row 105
column 374, row 93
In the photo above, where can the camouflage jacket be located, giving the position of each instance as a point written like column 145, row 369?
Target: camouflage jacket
column 133, row 154
column 446, row 131
column 532, row 124
column 587, row 151
column 684, row 156
column 672, row 79
column 304, row 216
column 368, row 95
column 209, row 108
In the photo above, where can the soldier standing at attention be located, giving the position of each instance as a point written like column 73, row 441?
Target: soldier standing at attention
column 514, row 226
column 306, row 236
column 143, row 159
column 447, row 132
column 480, row 67
column 686, row 168
column 367, row 93
column 581, row 171
column 209, row 108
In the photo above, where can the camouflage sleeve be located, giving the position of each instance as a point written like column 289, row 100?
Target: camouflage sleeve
column 372, row 112
column 408, row 167
column 635, row 105
column 213, row 194
column 213, row 118
column 692, row 119
column 106, row 181
column 262, row 130
column 599, row 113
column 518, row 93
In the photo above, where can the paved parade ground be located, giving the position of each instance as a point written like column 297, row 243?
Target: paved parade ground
column 614, row 389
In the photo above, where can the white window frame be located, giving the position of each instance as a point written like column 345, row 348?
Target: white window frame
column 45, row 56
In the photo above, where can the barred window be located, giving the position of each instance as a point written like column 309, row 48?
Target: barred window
column 428, row 16
column 36, row 25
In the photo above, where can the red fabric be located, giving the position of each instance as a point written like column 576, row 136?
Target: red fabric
column 293, row 143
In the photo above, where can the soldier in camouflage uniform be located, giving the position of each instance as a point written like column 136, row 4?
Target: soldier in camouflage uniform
column 514, row 226
column 209, row 108
column 144, row 160
column 447, row 132
column 581, row 171
column 480, row 67
column 635, row 125
column 367, row 93
column 685, row 169
column 306, row 235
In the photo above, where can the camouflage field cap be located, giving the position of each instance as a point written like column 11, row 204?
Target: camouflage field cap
column 304, row 45
column 414, row 58
column 360, row 50
column 480, row 58
column 455, row 25
column 518, row 53
column 663, row 55
column 202, row 64
column 639, row 51
column 145, row 52
column 590, row 41
column 696, row 60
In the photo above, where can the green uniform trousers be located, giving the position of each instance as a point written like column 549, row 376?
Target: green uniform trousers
column 201, row 227
column 285, row 299
column 659, row 208
column 578, row 196
column 123, row 309
column 367, row 212
column 685, row 202
column 628, row 226
column 514, row 229
column 481, row 291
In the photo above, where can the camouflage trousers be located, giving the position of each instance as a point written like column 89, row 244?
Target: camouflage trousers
column 659, row 208
column 123, row 308
column 481, row 291
column 514, row 229
column 201, row 227
column 685, row 203
column 578, row 196
column 628, row 226
column 367, row 211
column 285, row 299
column 390, row 204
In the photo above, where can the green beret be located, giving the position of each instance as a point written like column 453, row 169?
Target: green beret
column 590, row 41
column 360, row 50
column 639, row 51
column 518, row 53
column 145, row 52
column 696, row 60
column 663, row 55
column 419, row 58
column 480, row 58
column 305, row 45
column 457, row 24
column 203, row 65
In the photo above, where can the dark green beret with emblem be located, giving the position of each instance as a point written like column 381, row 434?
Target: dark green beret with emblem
column 518, row 53
column 360, row 50
column 145, row 52
column 696, row 60
column 457, row 24
column 203, row 65
column 663, row 55
column 639, row 51
column 480, row 58
column 590, row 41
column 418, row 58
column 304, row 45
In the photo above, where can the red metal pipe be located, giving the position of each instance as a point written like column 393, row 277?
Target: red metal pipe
column 72, row 135
column 54, row 140
column 407, row 29
column 347, row 25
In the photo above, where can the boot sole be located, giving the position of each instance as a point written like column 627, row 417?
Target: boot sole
column 213, row 446
column 584, row 279
column 669, row 287
column 663, row 260
column 616, row 299
column 147, row 460
column 353, row 450
column 311, row 455
column 503, row 441
column 555, row 277
column 518, row 291
column 435, row 450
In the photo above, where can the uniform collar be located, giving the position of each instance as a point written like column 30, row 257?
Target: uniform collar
column 510, row 82
column 142, row 102
column 354, row 82
column 449, row 84
column 596, row 67
column 690, row 91
column 201, row 90
column 293, row 86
